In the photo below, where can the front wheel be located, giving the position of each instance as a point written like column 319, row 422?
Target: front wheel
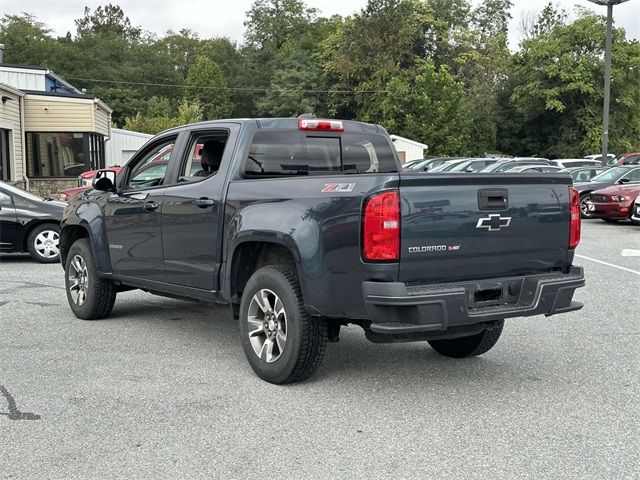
column 584, row 205
column 90, row 297
column 43, row 243
column 282, row 343
column 471, row 346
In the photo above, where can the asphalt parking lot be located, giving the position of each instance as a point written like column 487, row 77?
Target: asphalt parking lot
column 161, row 389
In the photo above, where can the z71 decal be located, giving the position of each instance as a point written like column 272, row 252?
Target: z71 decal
column 338, row 187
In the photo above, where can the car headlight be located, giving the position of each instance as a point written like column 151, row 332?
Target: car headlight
column 618, row 198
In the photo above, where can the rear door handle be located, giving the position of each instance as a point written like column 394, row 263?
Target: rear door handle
column 150, row 206
column 204, row 203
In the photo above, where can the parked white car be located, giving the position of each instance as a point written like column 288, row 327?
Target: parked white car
column 612, row 158
column 635, row 218
column 576, row 162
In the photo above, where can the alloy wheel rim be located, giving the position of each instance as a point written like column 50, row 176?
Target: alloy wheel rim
column 78, row 280
column 267, row 321
column 47, row 244
column 584, row 207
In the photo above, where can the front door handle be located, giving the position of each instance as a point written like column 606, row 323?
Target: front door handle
column 150, row 206
column 204, row 203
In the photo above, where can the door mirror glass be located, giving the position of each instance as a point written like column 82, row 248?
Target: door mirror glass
column 105, row 180
column 624, row 180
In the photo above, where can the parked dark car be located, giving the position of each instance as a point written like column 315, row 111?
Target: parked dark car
column 305, row 225
column 447, row 166
column 430, row 164
column 614, row 203
column 585, row 174
column 505, row 164
column 29, row 223
column 612, row 176
column 534, row 169
column 474, row 165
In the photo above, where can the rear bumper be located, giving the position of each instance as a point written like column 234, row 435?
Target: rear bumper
column 395, row 308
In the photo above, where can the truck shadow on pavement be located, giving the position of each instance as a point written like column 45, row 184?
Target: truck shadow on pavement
column 353, row 357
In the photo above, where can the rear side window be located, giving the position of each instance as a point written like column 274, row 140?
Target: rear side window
column 296, row 153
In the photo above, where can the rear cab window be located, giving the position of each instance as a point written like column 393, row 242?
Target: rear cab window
column 295, row 153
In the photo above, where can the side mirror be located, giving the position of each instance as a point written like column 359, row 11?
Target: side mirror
column 105, row 181
column 623, row 180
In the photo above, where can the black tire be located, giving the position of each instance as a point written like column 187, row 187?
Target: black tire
column 635, row 222
column 305, row 337
column 469, row 346
column 99, row 294
column 43, row 243
column 610, row 220
column 583, row 210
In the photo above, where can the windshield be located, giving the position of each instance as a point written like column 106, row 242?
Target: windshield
column 21, row 193
column 611, row 175
column 445, row 167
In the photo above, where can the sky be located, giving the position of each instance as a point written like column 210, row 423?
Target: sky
column 210, row 18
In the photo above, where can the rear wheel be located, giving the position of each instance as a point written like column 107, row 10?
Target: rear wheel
column 43, row 243
column 471, row 346
column 90, row 297
column 584, row 208
column 282, row 343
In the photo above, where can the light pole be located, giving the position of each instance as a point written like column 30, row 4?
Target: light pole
column 607, row 75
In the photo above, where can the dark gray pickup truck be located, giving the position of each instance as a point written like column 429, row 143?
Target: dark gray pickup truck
column 303, row 226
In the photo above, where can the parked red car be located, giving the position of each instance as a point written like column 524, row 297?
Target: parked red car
column 85, row 180
column 614, row 203
column 630, row 158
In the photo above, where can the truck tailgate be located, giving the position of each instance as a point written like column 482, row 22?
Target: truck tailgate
column 474, row 226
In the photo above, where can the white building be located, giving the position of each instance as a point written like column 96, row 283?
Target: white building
column 409, row 149
column 122, row 145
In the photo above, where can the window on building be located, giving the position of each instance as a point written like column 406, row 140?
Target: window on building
column 63, row 154
column 5, row 156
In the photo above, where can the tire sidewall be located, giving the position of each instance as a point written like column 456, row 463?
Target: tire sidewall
column 280, row 370
column 82, row 249
column 31, row 247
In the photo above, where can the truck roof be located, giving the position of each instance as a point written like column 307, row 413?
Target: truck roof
column 291, row 123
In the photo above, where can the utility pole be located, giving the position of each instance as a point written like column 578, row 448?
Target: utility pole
column 607, row 75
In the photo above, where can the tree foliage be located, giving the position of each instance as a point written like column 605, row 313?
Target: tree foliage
column 556, row 91
column 438, row 71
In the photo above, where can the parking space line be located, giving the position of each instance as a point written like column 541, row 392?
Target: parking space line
column 630, row 253
column 625, row 269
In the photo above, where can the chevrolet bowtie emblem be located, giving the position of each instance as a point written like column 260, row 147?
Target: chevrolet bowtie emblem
column 494, row 223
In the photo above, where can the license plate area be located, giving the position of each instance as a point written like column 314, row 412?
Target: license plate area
column 491, row 293
column 488, row 295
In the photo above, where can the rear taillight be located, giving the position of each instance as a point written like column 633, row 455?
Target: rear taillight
column 381, row 228
column 574, row 231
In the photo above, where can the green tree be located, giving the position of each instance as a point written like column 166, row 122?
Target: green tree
column 272, row 22
column 426, row 107
column 159, row 116
column 554, row 102
column 107, row 21
column 28, row 41
column 206, row 84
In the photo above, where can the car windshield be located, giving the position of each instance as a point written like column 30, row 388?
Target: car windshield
column 611, row 175
column 21, row 193
column 447, row 166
